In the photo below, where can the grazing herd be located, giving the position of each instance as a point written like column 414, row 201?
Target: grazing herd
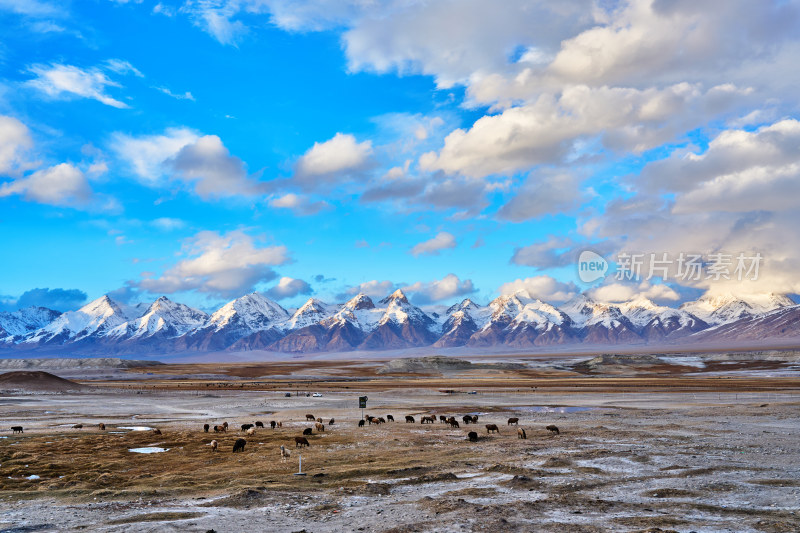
column 300, row 442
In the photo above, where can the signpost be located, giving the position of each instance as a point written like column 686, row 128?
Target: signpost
column 362, row 404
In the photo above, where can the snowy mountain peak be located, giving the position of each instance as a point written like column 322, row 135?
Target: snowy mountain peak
column 360, row 301
column 311, row 312
column 465, row 305
column 16, row 325
column 253, row 311
column 397, row 296
column 726, row 307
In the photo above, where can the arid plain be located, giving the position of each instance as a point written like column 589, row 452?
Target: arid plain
column 659, row 442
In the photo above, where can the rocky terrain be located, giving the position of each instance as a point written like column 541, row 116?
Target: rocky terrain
column 512, row 322
column 648, row 459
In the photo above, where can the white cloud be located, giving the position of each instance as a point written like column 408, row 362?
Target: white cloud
column 300, row 205
column 35, row 8
column 183, row 155
column 547, row 129
column 545, row 288
column 60, row 185
column 336, row 158
column 373, row 289
column 123, row 67
column 146, row 154
column 615, row 292
column 543, row 194
column 224, row 265
column 442, row 241
column 438, row 290
column 59, row 81
column 15, row 141
column 741, row 171
column 168, row 223
column 215, row 173
column 215, row 17
column 185, row 96
column 288, row 288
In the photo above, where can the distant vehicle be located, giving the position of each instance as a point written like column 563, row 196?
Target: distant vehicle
column 317, row 395
column 288, row 395
column 473, row 392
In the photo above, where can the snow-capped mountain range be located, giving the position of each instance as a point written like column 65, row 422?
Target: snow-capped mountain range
column 254, row 322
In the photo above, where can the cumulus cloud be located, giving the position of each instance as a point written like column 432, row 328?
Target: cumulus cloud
column 547, row 194
column 65, row 81
column 616, row 292
column 58, row 299
column 146, row 154
column 425, row 292
column 215, row 173
column 545, row 288
column 183, row 155
column 224, row 265
column 15, row 141
column 298, row 204
column 442, row 241
column 546, row 130
column 373, row 289
column 741, row 171
column 337, row 158
column 60, row 185
column 289, row 288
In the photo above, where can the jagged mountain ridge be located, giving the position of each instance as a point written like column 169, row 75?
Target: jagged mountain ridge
column 254, row 322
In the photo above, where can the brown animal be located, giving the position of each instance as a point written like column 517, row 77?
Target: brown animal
column 101, row 426
column 156, row 431
column 272, row 424
column 250, row 431
column 409, row 419
column 552, row 429
column 319, row 426
column 17, row 429
column 379, row 420
column 429, row 419
column 214, row 445
column 361, row 423
column 245, row 427
column 285, row 454
column 372, row 420
column 472, row 436
column 310, row 417
column 300, row 442
column 466, row 419
column 225, row 425
column 77, row 426
column 474, row 419
column 219, row 429
column 259, row 424
column 307, row 431
column 514, row 421
column 205, row 427
column 331, row 422
column 238, row 446
column 319, row 419
column 390, row 418
column 280, row 424
column 492, row 427
column 453, row 422
column 521, row 434
column 443, row 419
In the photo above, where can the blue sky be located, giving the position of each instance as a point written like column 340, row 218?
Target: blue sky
column 205, row 149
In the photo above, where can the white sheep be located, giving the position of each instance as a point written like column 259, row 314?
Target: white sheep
column 285, row 454
column 251, row 431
